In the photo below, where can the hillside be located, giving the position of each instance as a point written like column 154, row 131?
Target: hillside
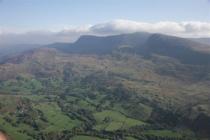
column 8, row 50
column 145, row 44
column 202, row 40
column 137, row 86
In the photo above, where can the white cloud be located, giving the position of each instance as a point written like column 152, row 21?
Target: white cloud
column 184, row 29
column 126, row 26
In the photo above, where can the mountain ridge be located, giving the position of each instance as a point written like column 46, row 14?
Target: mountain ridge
column 185, row 50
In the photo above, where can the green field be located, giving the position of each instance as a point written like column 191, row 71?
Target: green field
column 56, row 118
column 113, row 120
column 86, row 138
column 130, row 138
column 13, row 132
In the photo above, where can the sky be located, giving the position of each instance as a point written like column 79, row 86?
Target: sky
column 65, row 20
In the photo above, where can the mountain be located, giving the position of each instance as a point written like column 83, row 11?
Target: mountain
column 102, row 45
column 184, row 50
column 8, row 50
column 202, row 40
column 130, row 87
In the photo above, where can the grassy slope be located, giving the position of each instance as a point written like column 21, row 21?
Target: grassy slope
column 13, row 131
column 56, row 118
column 133, row 72
column 115, row 121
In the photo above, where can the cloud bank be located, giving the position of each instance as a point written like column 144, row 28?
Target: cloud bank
column 183, row 29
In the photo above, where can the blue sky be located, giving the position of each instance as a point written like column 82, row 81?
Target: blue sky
column 48, row 21
column 42, row 14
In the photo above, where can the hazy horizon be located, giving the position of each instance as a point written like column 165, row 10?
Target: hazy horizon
column 48, row 21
